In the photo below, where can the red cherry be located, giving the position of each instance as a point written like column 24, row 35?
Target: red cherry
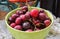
column 23, row 17
column 47, row 22
column 18, row 27
column 27, row 15
column 18, row 20
column 34, row 13
column 42, row 16
column 41, row 11
column 19, row 12
column 12, row 25
column 29, row 30
column 14, row 16
column 11, row 19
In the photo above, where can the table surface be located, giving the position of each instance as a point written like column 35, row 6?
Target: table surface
column 4, row 33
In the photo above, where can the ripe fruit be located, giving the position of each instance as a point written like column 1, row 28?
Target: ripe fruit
column 41, row 11
column 25, row 8
column 18, row 27
column 34, row 13
column 47, row 22
column 36, row 22
column 19, row 12
column 26, row 25
column 14, row 16
column 11, row 19
column 27, row 15
column 23, row 17
column 29, row 30
column 29, row 21
column 18, row 20
column 12, row 25
column 42, row 16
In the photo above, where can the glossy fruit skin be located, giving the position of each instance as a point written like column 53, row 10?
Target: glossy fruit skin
column 14, row 16
column 41, row 11
column 12, row 25
column 19, row 12
column 27, row 15
column 18, row 20
column 23, row 17
column 25, row 8
column 18, row 27
column 26, row 25
column 11, row 19
column 47, row 22
column 42, row 16
column 29, row 30
column 34, row 13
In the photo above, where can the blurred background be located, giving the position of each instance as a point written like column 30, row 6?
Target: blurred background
column 8, row 5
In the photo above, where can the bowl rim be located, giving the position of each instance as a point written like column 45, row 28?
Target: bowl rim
column 32, row 31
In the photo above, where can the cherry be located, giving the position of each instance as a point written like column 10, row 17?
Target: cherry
column 27, row 15
column 12, row 25
column 14, row 16
column 19, row 12
column 26, row 25
column 42, row 16
column 18, row 27
column 36, row 22
column 11, row 19
column 41, row 11
column 23, row 17
column 18, row 20
column 34, row 13
column 47, row 22
column 25, row 8
column 29, row 30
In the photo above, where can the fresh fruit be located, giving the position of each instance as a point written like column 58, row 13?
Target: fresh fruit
column 23, row 17
column 12, row 25
column 26, row 25
column 18, row 20
column 27, row 15
column 29, row 30
column 29, row 21
column 19, row 12
column 14, row 16
column 42, row 16
column 25, row 8
column 36, row 22
column 34, row 13
column 11, row 19
column 47, row 22
column 18, row 27
column 41, row 11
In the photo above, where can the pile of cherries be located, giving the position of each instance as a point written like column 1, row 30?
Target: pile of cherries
column 29, row 21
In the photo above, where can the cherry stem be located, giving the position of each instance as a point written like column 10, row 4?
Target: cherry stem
column 29, row 7
column 33, row 24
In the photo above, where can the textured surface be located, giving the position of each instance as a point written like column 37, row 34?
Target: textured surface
column 55, row 34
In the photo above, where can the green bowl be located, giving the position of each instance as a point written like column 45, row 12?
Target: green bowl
column 41, row 34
